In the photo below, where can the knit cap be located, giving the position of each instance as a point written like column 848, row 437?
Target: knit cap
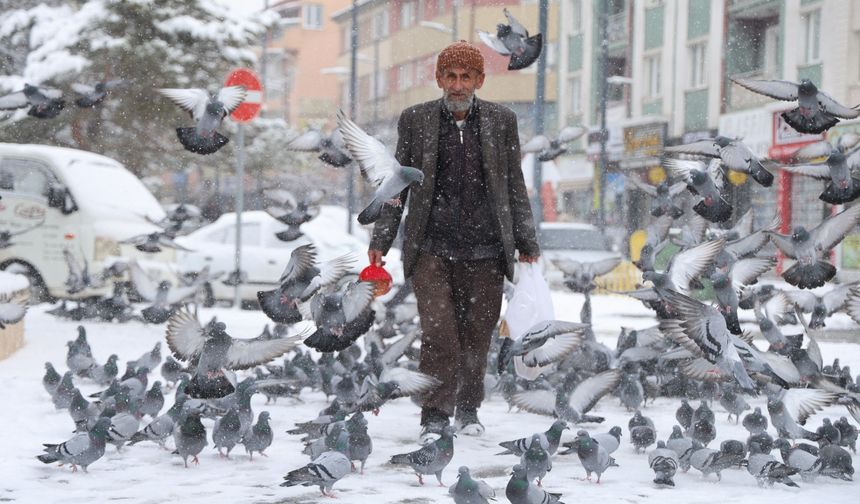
column 460, row 54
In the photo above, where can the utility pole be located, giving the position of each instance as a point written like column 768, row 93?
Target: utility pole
column 604, row 89
column 537, row 203
column 353, row 79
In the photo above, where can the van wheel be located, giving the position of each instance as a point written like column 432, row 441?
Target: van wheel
column 38, row 290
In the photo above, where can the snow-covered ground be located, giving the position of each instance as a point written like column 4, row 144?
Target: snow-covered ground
column 147, row 474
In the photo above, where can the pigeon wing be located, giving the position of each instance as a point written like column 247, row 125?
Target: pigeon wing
column 801, row 403
column 778, row 89
column 308, row 141
column 488, row 39
column 587, row 393
column 191, row 100
column 409, row 382
column 356, row 299
column 231, row 97
column 541, row 402
column 376, row 163
column 554, row 350
column 185, row 335
column 702, row 323
column 831, row 106
column 836, row 298
column 833, row 229
column 330, row 272
column 143, row 284
column 642, row 186
column 248, row 353
column 516, row 26
column 815, row 170
column 693, row 262
column 536, row 144
column 281, row 197
column 301, row 260
column 604, row 266
column 814, row 150
column 570, row 133
column 13, row 101
column 747, row 271
column 681, row 168
column 803, row 299
column 706, row 147
column 782, row 242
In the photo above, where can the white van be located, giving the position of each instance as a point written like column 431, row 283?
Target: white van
column 86, row 203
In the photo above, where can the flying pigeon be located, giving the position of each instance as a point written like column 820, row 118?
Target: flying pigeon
column 216, row 352
column 331, row 147
column 91, row 95
column 572, row 408
column 547, row 149
column 378, row 167
column 513, row 40
column 823, row 306
column 208, row 112
column 341, row 317
column 662, row 195
column 153, row 243
column 547, row 342
column 44, row 102
column 163, row 296
column 809, row 248
column 816, row 110
column 579, row 275
column 789, row 409
column 839, row 169
column 734, row 154
column 707, row 183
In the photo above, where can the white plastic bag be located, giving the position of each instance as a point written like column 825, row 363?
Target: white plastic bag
column 530, row 304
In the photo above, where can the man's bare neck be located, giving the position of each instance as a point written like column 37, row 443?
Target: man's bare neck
column 459, row 116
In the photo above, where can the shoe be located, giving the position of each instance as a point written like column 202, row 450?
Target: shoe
column 466, row 422
column 432, row 430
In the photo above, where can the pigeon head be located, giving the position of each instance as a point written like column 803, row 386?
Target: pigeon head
column 30, row 90
column 518, row 471
column 214, row 108
column 502, row 30
column 806, row 87
column 413, row 175
column 698, row 177
column 722, row 141
column 799, row 234
column 462, row 471
column 100, row 429
column 559, row 425
column 615, row 431
column 661, row 444
column 720, row 280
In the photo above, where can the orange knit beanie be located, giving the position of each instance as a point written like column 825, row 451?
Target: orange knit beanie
column 460, row 54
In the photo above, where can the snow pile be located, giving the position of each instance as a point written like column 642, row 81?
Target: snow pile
column 11, row 283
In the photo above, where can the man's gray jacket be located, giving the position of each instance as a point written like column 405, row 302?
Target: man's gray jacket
column 418, row 146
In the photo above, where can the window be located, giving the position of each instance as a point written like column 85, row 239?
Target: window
column 276, row 78
column 698, row 68
column 771, row 51
column 379, row 24
column 381, row 84
column 652, row 76
column 811, row 22
column 575, row 16
column 312, row 16
column 25, row 177
column 574, row 86
column 216, row 236
column 408, row 13
column 404, row 76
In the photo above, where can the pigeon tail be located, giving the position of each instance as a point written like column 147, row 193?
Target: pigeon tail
column 760, row 174
column 335, row 158
column 817, row 123
column 278, row 312
column 193, row 142
column 48, row 458
column 370, row 214
column 87, row 102
column 809, row 276
column 732, row 322
column 719, row 211
column 47, row 111
column 834, row 196
column 529, row 55
column 590, row 419
column 664, row 481
column 209, row 388
column 402, row 459
column 290, row 234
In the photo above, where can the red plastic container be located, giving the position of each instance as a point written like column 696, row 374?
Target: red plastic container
column 380, row 278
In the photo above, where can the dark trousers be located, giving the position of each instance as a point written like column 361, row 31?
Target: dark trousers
column 459, row 304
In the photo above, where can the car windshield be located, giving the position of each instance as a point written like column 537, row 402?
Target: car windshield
column 571, row 239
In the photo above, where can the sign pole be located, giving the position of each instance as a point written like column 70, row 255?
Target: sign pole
column 240, row 204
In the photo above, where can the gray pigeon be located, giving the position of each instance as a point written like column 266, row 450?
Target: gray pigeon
column 324, row 471
column 664, row 462
column 170, row 371
column 642, row 436
column 767, row 470
column 470, row 491
column 536, row 459
column 594, row 457
column 706, row 182
column 630, row 391
column 432, row 458
column 839, row 169
column 610, row 441
column 259, row 437
column 733, row 402
column 816, row 110
column 64, row 392
column 810, row 248
column 208, row 112
column 90, row 96
column 682, row 446
column 847, row 434
column 547, row 342
column 824, row 305
column 51, row 380
column 808, row 464
column 227, row 432
column 81, row 450
column 216, row 352
column 341, row 317
column 330, row 147
column 572, row 408
column 153, row 401
column 755, row 422
column 836, row 462
column 124, row 424
column 160, row 428
column 710, row 461
column 153, row 243
column 189, row 437
column 579, row 275
column 513, row 40
column 550, row 439
column 105, row 374
column 163, row 296
column 521, row 491
column 360, row 442
column 379, row 168
column 44, row 102
column 789, row 409
column 734, row 154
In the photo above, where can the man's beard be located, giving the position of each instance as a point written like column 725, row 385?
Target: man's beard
column 458, row 105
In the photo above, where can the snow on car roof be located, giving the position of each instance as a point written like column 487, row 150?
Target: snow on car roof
column 566, row 225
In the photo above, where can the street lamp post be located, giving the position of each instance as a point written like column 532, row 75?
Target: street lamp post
column 537, row 203
column 353, row 78
column 604, row 89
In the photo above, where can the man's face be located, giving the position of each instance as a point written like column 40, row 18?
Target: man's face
column 458, row 86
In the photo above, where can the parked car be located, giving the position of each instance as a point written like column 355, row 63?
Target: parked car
column 572, row 241
column 264, row 257
column 75, row 200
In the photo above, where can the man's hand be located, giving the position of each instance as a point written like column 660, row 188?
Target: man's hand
column 375, row 257
column 529, row 259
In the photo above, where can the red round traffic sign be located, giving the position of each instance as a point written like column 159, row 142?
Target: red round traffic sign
column 249, row 108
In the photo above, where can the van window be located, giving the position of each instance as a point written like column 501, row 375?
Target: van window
column 216, row 236
column 25, row 177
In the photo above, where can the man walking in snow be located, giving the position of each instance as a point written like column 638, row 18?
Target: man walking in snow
column 463, row 226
